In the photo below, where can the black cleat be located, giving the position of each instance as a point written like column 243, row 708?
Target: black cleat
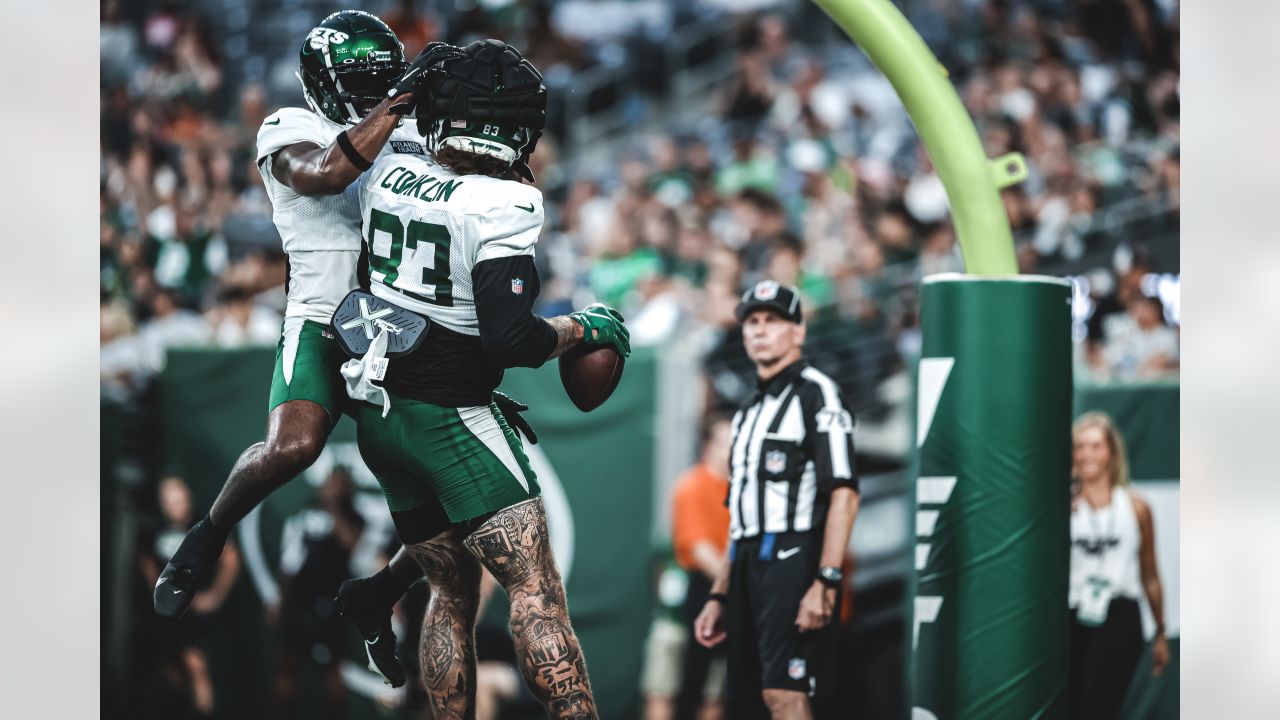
column 176, row 587
column 356, row 603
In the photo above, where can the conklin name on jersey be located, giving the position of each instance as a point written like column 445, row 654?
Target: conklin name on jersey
column 319, row 233
column 427, row 228
column 402, row 181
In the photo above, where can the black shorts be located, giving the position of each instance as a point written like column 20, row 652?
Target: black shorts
column 768, row 577
column 1103, row 659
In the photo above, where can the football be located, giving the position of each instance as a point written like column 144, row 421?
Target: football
column 590, row 375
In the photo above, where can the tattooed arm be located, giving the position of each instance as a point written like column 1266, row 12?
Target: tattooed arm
column 568, row 334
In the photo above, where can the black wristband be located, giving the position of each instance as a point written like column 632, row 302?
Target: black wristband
column 721, row 598
column 352, row 154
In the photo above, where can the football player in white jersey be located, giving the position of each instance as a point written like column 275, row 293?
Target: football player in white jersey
column 359, row 88
column 451, row 237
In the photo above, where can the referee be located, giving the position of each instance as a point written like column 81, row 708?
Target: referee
column 793, row 496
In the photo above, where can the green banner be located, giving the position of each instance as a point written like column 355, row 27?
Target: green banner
column 1147, row 415
column 596, row 471
column 990, row 631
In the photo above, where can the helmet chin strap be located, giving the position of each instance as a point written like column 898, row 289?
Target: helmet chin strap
column 306, row 95
column 523, row 170
column 311, row 101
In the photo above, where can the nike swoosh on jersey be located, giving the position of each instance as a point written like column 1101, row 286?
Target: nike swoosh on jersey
column 274, row 122
column 526, row 209
column 784, row 554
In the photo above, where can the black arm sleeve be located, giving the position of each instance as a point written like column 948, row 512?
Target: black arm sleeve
column 512, row 336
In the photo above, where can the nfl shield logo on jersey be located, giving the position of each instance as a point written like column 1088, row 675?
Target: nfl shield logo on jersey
column 517, row 286
column 795, row 668
column 775, row 461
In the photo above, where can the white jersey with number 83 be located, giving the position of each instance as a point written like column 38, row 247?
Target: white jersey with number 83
column 426, row 228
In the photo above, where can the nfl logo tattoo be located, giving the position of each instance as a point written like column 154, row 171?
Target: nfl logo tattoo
column 775, row 461
column 517, row 286
column 795, row 668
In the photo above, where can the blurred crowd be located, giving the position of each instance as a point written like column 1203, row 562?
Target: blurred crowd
column 802, row 167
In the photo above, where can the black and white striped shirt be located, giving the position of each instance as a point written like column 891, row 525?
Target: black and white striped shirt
column 792, row 445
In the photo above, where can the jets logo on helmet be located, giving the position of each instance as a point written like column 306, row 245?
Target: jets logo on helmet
column 488, row 100
column 347, row 65
column 322, row 36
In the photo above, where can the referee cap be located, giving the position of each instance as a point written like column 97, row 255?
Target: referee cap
column 774, row 296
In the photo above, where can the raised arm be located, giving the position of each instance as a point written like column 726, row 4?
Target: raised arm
column 310, row 169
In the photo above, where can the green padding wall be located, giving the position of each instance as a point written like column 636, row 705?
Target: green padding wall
column 1147, row 414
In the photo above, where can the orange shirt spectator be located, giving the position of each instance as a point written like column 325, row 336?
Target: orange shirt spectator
column 698, row 512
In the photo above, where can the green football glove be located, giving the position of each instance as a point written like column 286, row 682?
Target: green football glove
column 511, row 409
column 602, row 326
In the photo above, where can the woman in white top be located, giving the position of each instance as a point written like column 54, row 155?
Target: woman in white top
column 1113, row 563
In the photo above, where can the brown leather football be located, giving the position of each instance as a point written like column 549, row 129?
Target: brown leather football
column 589, row 375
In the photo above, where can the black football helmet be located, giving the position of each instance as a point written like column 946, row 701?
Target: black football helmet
column 487, row 99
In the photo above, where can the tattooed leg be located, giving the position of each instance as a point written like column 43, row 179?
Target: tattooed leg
column 515, row 547
column 447, row 650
